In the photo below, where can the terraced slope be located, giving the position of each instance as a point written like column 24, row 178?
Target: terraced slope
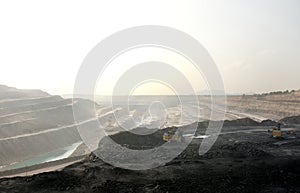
column 33, row 123
column 268, row 106
column 275, row 106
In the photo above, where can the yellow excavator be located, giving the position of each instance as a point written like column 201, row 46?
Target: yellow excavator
column 170, row 135
column 278, row 134
column 173, row 135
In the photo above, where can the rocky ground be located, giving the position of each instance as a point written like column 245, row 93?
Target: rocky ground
column 243, row 159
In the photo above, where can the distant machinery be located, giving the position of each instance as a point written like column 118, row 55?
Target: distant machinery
column 170, row 135
column 173, row 135
column 277, row 133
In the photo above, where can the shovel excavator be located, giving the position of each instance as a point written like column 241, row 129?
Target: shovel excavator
column 278, row 134
column 174, row 135
column 171, row 135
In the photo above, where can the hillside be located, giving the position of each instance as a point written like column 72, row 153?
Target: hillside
column 273, row 106
column 33, row 123
column 276, row 106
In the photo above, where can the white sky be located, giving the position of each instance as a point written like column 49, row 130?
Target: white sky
column 256, row 44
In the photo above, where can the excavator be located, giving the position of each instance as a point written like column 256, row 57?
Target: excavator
column 170, row 135
column 173, row 135
column 278, row 134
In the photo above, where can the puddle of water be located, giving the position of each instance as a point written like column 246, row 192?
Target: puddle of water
column 61, row 153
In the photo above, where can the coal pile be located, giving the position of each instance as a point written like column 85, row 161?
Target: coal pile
column 237, row 150
column 295, row 120
column 244, row 162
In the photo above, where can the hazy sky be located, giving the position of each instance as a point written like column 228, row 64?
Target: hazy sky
column 255, row 43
